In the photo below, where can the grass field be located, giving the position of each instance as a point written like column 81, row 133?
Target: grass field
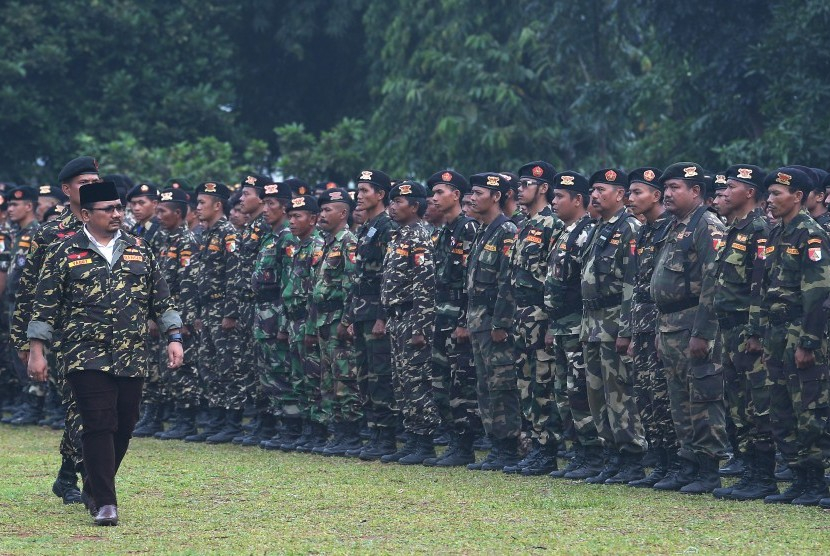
column 184, row 498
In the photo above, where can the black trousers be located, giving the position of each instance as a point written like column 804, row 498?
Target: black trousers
column 109, row 411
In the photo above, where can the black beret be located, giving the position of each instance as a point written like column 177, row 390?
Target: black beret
column 688, row 171
column 56, row 210
column 822, row 176
column 719, row 181
column 214, row 189
column 812, row 176
column 99, row 191
column 826, row 181
column 376, row 178
column 177, row 183
column 648, row 175
column 296, row 186
column 511, row 179
column 789, row 177
column 304, row 202
column 571, row 181
column 408, row 188
column 143, row 189
column 611, row 176
column 3, row 205
column 539, row 170
column 22, row 193
column 174, row 195
column 277, row 191
column 323, row 185
column 490, row 180
column 749, row 174
column 335, row 195
column 451, row 178
column 47, row 190
column 78, row 166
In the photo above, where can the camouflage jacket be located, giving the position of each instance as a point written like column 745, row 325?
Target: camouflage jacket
column 823, row 220
column 683, row 281
column 218, row 261
column 180, row 270
column 299, row 277
column 797, row 278
column 373, row 238
column 103, row 309
column 19, row 251
column 529, row 259
column 334, row 274
column 740, row 270
column 490, row 303
column 6, row 243
column 267, row 279
column 563, row 291
column 409, row 276
column 518, row 218
column 452, row 254
column 605, row 294
column 642, row 318
column 151, row 233
column 249, row 246
column 51, row 232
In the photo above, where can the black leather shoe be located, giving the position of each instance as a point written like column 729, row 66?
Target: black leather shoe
column 107, row 515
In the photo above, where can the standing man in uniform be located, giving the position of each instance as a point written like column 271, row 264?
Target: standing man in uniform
column 605, row 298
column 528, row 270
column 490, row 310
column 49, row 196
column 682, row 286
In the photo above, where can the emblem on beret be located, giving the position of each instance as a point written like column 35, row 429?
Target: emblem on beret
column 784, row 179
column 567, row 180
column 18, row 194
column 95, row 163
column 298, row 202
column 210, row 187
column 648, row 175
column 44, row 189
column 446, row 176
column 366, row 175
column 406, row 189
column 175, row 185
column 336, row 196
column 720, row 178
column 689, row 172
column 167, row 196
column 537, row 171
column 331, row 185
column 272, row 189
column 610, row 175
column 145, row 188
column 745, row 173
column 302, row 190
column 492, row 181
column 250, row 180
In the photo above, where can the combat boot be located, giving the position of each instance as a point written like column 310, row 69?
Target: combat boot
column 783, row 472
column 590, row 466
column 734, row 466
column 797, row 488
column 31, row 412
column 631, row 469
column 483, row 443
column 384, row 445
column 265, row 429
column 824, row 503
column 815, row 490
column 184, row 427
column 292, row 429
column 371, row 440
column 762, row 481
column 707, row 479
column 331, row 442
column 216, row 418
column 491, row 456
column 573, row 464
column 463, row 453
column 534, row 452
column 545, row 463
column 317, row 440
column 425, row 449
column 682, row 471
column 658, row 472
column 65, row 486
column 349, row 440
column 232, row 428
column 409, row 447
column 508, row 454
column 152, row 422
column 51, row 408
column 452, row 446
column 611, row 467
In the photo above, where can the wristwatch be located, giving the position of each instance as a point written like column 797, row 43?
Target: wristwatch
column 174, row 338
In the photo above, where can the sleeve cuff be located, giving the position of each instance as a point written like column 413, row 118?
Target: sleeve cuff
column 170, row 319
column 39, row 330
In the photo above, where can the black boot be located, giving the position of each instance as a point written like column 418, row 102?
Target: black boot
column 491, row 456
column 65, row 486
column 463, row 453
column 286, row 439
column 545, row 463
column 590, row 466
column 152, row 422
column 682, row 471
column 31, row 411
column 631, row 469
column 815, row 490
column 762, row 481
column 797, row 488
column 782, row 470
column 332, row 441
column 265, row 429
column 535, row 452
column 658, row 472
column 231, row 429
column 824, row 503
column 384, row 445
column 424, row 449
column 184, row 427
column 611, row 467
column 319, row 435
column 508, row 454
column 371, row 441
column 573, row 464
column 452, row 446
column 216, row 418
column 409, row 447
column 349, row 440
column 707, row 479
column 734, row 466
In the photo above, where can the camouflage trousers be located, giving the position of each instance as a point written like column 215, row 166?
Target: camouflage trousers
column 274, row 371
column 746, row 391
column 799, row 399
column 497, row 387
column 535, row 377
column 411, row 374
column 154, row 391
column 696, row 396
column 251, row 351
column 373, row 362
column 652, row 392
column 571, row 387
column 181, row 385
column 223, row 379
column 453, row 376
column 70, row 446
column 338, row 377
column 305, row 375
column 611, row 398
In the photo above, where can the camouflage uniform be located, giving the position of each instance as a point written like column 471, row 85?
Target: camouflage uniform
column 9, row 382
column 407, row 290
column 682, row 287
column 373, row 355
column 528, row 270
column 605, row 298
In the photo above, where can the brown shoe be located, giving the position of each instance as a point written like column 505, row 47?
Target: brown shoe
column 107, row 515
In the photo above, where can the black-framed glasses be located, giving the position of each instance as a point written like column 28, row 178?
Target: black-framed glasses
column 110, row 209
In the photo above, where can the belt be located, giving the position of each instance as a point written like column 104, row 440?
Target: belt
column 442, row 296
column 527, row 297
column 602, row 302
column 731, row 320
column 330, row 306
column 399, row 309
column 677, row 306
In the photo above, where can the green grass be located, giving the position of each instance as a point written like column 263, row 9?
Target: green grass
column 184, row 498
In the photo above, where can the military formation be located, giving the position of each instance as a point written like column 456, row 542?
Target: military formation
column 658, row 328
